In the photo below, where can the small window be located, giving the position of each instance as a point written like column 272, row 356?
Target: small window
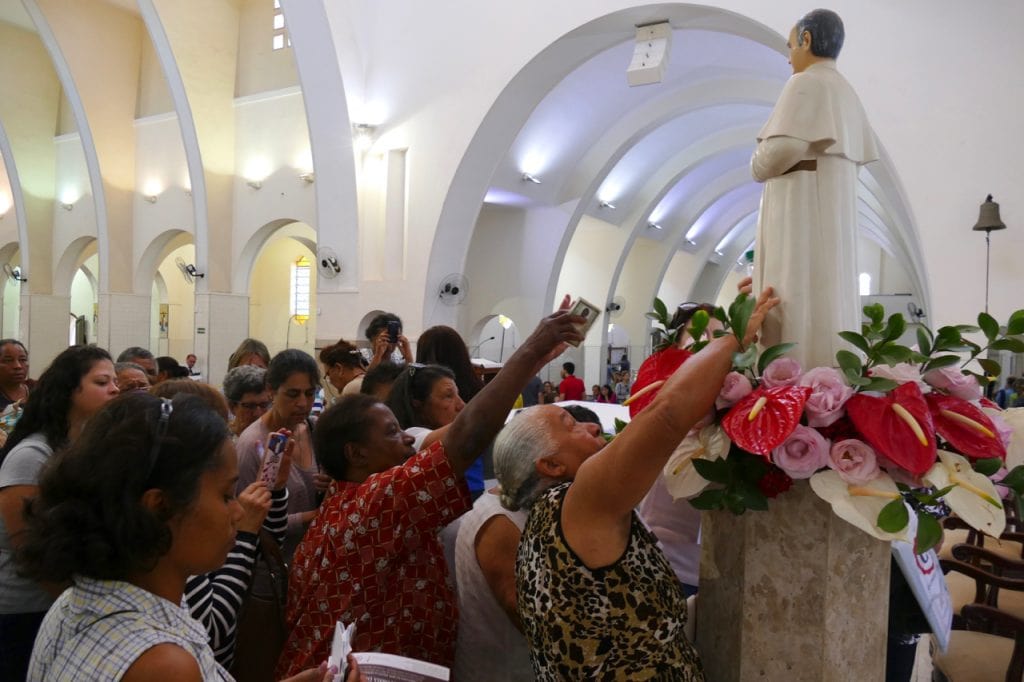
column 865, row 284
column 300, row 293
column 278, row 41
column 278, row 21
column 277, row 4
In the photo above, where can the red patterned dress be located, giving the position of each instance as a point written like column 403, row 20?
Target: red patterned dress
column 372, row 556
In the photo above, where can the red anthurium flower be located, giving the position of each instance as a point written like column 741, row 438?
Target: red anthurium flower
column 965, row 426
column 657, row 367
column 985, row 402
column 764, row 419
column 899, row 425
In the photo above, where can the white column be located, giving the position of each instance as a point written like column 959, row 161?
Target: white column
column 222, row 321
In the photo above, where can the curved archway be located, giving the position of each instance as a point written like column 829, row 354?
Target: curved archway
column 70, row 261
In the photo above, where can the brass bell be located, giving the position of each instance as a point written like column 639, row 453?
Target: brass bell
column 988, row 217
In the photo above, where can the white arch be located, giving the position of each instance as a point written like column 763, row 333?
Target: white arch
column 68, row 264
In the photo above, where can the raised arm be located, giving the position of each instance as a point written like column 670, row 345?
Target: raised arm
column 482, row 418
column 607, row 487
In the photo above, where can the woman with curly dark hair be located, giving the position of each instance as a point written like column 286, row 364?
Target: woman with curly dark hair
column 77, row 384
column 141, row 501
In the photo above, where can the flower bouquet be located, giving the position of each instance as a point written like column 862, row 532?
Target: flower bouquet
column 889, row 432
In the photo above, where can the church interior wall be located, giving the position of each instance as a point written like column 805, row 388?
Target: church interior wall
column 260, row 67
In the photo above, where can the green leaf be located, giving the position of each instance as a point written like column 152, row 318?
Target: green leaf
column 745, row 360
column 940, row 362
column 879, row 384
column 653, row 316
column 988, row 466
column 874, row 312
column 941, row 492
column 661, row 310
column 714, row 470
column 892, row 354
column 966, row 328
column 849, row 362
column 991, row 367
column 894, row 517
column 752, row 496
column 698, row 323
column 744, row 310
column 770, row 354
column 619, row 425
column 1012, row 345
column 895, row 327
column 1016, row 324
column 709, row 499
column 929, row 532
column 1015, row 479
column 721, row 315
column 856, row 340
column 988, row 325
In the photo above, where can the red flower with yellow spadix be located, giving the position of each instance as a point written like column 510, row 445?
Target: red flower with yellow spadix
column 965, row 427
column 763, row 420
column 898, row 425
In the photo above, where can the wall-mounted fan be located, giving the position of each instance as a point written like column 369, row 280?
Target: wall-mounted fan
column 616, row 307
column 14, row 273
column 916, row 312
column 327, row 263
column 188, row 271
column 453, row 289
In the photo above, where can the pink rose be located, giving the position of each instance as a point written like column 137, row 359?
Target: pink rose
column 902, row 373
column 735, row 387
column 781, row 372
column 952, row 381
column 803, row 453
column 854, row 461
column 828, row 395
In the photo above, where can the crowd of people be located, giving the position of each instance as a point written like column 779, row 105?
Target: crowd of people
column 139, row 526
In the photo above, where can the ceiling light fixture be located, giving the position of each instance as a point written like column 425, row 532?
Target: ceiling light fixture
column 651, row 49
column 528, row 177
column 307, row 177
column 362, row 136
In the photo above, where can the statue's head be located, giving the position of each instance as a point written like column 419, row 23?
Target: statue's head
column 817, row 35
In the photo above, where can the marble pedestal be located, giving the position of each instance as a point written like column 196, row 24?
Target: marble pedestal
column 794, row 594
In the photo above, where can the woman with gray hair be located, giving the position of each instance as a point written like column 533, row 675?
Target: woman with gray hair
column 596, row 597
column 248, row 396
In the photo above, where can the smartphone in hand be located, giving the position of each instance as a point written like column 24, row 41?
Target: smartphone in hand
column 272, row 462
column 394, row 327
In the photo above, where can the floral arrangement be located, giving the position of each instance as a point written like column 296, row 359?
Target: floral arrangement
column 889, row 432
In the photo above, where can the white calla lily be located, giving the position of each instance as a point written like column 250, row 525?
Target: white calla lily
column 974, row 499
column 681, row 477
column 860, row 505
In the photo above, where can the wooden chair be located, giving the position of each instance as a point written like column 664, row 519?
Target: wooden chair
column 964, row 589
column 988, row 645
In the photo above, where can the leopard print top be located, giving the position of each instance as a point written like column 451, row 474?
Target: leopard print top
column 621, row 622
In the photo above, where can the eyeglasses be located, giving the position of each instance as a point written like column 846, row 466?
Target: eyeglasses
column 166, row 408
column 257, row 406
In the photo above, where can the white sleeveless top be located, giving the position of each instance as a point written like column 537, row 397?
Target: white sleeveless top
column 489, row 646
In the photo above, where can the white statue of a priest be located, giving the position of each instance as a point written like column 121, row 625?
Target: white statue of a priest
column 807, row 157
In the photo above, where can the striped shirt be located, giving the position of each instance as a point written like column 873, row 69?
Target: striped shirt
column 214, row 599
column 97, row 629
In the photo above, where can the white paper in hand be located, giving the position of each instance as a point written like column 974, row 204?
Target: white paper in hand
column 341, row 647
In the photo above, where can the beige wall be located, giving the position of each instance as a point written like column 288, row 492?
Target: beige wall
column 261, row 68
column 269, row 291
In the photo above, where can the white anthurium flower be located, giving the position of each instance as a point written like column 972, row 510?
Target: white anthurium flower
column 1014, row 418
column 860, row 504
column 974, row 499
column 681, row 477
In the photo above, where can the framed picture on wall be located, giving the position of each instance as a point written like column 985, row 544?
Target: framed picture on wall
column 164, row 320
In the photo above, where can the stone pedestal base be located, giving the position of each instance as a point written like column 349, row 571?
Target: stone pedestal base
column 794, row 593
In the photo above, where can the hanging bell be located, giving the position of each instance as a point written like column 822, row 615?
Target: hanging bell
column 988, row 217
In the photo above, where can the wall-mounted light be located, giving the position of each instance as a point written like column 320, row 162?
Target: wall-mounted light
column 528, row 177
column 654, row 226
column 255, row 184
column 362, row 136
column 66, row 206
column 691, row 242
column 307, row 177
column 606, row 204
column 151, row 198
